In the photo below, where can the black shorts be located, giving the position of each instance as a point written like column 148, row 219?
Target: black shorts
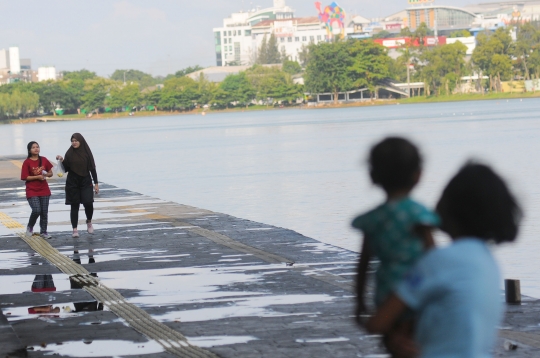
column 79, row 189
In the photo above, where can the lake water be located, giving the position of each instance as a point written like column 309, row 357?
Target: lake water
column 305, row 169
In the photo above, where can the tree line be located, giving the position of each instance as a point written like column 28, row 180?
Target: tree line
column 85, row 92
column 326, row 67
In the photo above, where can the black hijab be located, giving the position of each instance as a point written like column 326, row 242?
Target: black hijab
column 80, row 160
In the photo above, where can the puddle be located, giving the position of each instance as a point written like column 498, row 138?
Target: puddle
column 16, row 284
column 319, row 247
column 323, row 340
column 51, row 311
column 101, row 348
column 14, row 259
column 213, row 341
column 246, row 307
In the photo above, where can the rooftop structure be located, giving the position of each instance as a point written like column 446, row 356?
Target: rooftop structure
column 440, row 18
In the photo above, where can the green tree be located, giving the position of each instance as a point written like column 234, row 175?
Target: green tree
column 460, row 33
column 273, row 54
column 152, row 98
column 96, row 92
column 488, row 45
column 262, row 57
column 382, row 35
column 370, row 64
column 328, row 68
column 143, row 79
column 528, row 40
column 272, row 85
column 82, row 75
column 442, row 67
column 179, row 93
column 303, row 55
column 235, row 89
column 291, row 67
column 53, row 95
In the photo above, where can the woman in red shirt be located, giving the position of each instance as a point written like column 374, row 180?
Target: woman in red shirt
column 34, row 171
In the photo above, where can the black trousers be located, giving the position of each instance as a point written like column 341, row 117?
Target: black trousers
column 88, row 210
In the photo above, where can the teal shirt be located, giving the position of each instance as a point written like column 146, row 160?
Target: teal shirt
column 390, row 231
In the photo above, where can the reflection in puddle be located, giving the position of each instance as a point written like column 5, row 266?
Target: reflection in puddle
column 16, row 284
column 209, row 285
column 213, row 341
column 100, row 348
column 13, row 259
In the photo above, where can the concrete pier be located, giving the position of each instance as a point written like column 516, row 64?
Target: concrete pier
column 227, row 286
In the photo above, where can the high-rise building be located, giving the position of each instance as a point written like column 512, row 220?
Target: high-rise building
column 4, row 59
column 238, row 41
column 234, row 43
column 14, row 60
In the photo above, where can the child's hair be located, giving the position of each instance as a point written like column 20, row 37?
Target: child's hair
column 481, row 204
column 29, row 148
column 394, row 163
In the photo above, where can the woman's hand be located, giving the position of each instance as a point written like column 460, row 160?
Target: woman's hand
column 96, row 189
column 59, row 157
column 40, row 177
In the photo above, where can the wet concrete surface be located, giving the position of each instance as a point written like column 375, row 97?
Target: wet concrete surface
column 235, row 287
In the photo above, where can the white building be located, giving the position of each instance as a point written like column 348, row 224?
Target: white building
column 233, row 41
column 238, row 40
column 4, row 59
column 14, row 60
column 46, row 74
column 291, row 34
column 10, row 60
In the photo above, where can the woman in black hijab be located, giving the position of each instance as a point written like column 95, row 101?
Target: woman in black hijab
column 79, row 163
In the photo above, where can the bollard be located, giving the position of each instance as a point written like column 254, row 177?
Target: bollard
column 513, row 292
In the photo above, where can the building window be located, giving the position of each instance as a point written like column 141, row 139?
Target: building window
column 319, row 38
column 312, row 38
column 296, row 39
column 283, row 39
column 304, row 38
column 289, row 39
column 224, row 33
column 230, row 34
column 248, row 33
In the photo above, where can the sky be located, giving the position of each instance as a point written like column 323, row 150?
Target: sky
column 154, row 36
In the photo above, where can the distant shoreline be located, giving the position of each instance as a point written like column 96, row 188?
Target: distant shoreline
column 201, row 112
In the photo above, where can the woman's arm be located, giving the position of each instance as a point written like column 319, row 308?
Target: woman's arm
column 36, row 177
column 386, row 316
column 361, row 277
column 426, row 234
column 93, row 173
column 64, row 163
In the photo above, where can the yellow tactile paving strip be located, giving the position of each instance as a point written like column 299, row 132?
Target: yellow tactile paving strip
column 134, row 316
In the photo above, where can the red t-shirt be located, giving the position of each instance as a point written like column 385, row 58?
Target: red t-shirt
column 31, row 168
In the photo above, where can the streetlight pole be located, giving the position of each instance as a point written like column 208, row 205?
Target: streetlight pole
column 124, row 78
column 409, row 77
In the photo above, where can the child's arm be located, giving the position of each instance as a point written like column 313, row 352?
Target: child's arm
column 363, row 264
column 426, row 234
column 386, row 316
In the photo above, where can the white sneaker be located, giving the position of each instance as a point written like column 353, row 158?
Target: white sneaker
column 45, row 235
column 29, row 231
column 75, row 233
column 90, row 228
